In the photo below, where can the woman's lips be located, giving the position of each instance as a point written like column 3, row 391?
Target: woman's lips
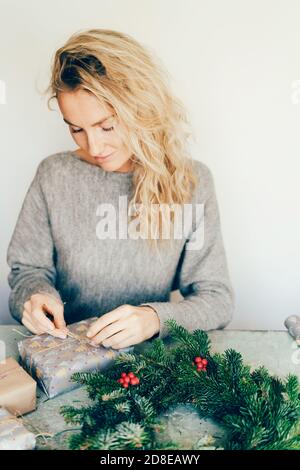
column 104, row 158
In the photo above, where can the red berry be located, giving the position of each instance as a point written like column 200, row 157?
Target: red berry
column 121, row 381
column 200, row 366
column 131, row 375
column 133, row 381
column 126, row 380
column 123, row 374
column 137, row 380
column 204, row 362
column 197, row 359
column 126, row 385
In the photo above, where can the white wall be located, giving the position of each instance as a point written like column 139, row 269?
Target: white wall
column 235, row 63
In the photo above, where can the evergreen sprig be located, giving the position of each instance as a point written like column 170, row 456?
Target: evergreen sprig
column 258, row 411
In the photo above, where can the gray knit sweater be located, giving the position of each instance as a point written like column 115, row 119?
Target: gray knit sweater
column 56, row 249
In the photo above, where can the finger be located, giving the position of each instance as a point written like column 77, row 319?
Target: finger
column 39, row 317
column 58, row 333
column 29, row 326
column 118, row 339
column 27, row 317
column 55, row 309
column 125, row 344
column 109, row 330
column 27, row 311
column 27, row 305
column 43, row 326
column 120, row 312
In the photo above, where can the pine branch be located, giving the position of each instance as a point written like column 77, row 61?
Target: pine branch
column 257, row 411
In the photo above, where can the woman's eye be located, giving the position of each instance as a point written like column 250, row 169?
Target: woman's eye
column 103, row 128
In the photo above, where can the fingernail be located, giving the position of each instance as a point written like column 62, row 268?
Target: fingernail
column 89, row 334
column 62, row 335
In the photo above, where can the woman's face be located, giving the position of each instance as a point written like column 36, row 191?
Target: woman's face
column 93, row 128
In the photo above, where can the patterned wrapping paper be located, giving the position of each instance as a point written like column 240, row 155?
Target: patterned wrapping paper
column 52, row 361
column 13, row 434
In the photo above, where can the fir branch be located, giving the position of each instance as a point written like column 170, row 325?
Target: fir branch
column 257, row 411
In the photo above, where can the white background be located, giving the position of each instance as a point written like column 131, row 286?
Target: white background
column 235, row 64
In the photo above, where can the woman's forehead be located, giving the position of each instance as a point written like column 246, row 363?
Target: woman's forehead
column 80, row 105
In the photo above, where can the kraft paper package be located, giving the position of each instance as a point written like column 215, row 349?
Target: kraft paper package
column 17, row 388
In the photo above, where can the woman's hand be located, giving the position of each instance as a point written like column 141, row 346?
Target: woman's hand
column 125, row 326
column 35, row 316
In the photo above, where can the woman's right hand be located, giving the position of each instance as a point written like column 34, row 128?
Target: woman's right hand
column 35, row 316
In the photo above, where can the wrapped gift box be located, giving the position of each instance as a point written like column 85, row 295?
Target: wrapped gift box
column 17, row 388
column 52, row 361
column 13, row 434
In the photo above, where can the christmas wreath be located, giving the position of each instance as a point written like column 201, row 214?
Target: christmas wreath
column 258, row 411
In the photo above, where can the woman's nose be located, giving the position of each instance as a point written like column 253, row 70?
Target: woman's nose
column 95, row 147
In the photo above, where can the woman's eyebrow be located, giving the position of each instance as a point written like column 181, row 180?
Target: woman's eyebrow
column 96, row 123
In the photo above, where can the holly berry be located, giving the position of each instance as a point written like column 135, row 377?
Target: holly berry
column 135, row 381
column 128, row 379
column 200, row 363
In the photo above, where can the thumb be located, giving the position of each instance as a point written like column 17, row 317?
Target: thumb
column 56, row 309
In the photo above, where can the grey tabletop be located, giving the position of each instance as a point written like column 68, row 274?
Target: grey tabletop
column 276, row 350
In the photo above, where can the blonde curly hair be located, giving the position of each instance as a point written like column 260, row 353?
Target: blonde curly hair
column 130, row 79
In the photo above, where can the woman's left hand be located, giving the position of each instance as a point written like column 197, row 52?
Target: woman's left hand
column 124, row 326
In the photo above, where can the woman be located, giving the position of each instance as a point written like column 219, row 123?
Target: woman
column 131, row 138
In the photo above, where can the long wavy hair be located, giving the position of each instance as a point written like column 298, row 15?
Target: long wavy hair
column 127, row 77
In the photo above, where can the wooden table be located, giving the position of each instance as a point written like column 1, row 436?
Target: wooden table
column 274, row 349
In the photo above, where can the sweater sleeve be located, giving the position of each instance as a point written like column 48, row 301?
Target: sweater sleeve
column 30, row 251
column 202, row 274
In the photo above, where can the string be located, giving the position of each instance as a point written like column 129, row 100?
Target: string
column 73, row 336
column 68, row 333
column 37, row 433
column 22, row 334
column 21, row 420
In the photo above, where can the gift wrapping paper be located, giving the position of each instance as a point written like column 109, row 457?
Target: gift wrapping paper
column 52, row 361
column 13, row 434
